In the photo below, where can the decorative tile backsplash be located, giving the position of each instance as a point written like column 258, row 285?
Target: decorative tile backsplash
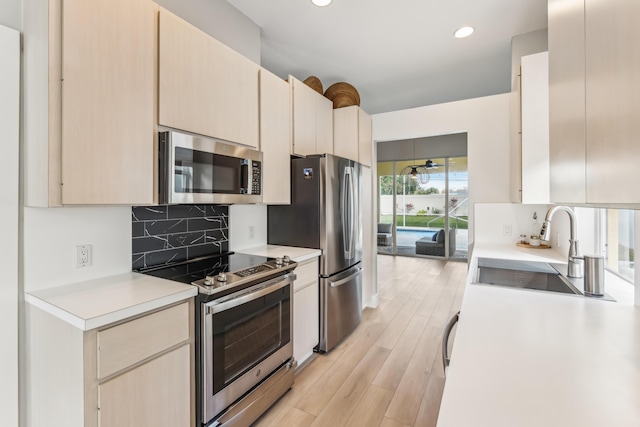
column 170, row 233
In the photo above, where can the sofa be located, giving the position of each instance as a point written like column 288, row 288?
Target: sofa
column 434, row 246
column 384, row 234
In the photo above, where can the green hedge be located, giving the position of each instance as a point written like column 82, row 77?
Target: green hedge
column 422, row 220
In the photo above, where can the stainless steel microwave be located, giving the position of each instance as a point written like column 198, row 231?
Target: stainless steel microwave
column 196, row 169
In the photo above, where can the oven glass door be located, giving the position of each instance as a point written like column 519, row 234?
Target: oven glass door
column 246, row 332
column 209, row 173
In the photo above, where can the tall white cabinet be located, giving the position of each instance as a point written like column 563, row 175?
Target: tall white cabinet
column 9, row 163
column 594, row 63
column 534, row 108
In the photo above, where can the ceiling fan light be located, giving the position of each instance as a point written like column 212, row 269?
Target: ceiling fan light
column 321, row 3
column 463, row 32
column 414, row 173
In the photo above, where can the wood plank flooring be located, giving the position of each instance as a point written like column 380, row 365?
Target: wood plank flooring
column 388, row 373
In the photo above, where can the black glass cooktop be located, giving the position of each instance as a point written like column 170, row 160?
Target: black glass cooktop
column 198, row 269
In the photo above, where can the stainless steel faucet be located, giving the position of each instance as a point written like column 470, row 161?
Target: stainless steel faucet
column 574, row 265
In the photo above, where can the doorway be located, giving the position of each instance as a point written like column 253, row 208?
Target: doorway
column 423, row 207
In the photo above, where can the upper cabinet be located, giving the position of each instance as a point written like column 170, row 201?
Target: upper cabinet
column 534, row 108
column 89, row 93
column 204, row 86
column 275, row 138
column 352, row 136
column 312, row 120
column 594, row 61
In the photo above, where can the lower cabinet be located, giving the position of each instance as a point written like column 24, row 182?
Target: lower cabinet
column 134, row 398
column 138, row 372
column 306, row 314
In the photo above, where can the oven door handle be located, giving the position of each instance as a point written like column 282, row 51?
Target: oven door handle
column 214, row 307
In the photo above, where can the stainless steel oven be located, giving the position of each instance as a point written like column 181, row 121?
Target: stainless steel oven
column 245, row 337
column 243, row 322
column 195, row 169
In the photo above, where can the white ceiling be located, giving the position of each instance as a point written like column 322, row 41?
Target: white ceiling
column 397, row 53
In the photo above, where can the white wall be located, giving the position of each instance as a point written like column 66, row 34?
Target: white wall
column 637, row 264
column 52, row 234
column 527, row 44
column 486, row 122
column 9, row 161
column 11, row 14
column 247, row 226
column 492, row 218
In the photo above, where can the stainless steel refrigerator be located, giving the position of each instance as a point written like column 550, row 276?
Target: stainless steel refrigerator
column 325, row 213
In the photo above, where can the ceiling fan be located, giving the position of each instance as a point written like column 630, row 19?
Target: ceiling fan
column 420, row 173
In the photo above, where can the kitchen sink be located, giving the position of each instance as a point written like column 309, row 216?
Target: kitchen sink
column 532, row 275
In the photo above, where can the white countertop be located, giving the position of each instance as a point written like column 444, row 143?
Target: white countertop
column 295, row 253
column 95, row 303
column 530, row 358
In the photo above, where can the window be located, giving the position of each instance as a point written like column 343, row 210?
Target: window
column 617, row 241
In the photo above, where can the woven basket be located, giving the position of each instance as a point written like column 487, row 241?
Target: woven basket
column 314, row 83
column 342, row 95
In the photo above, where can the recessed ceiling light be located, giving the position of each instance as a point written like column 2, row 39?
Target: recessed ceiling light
column 463, row 32
column 321, row 3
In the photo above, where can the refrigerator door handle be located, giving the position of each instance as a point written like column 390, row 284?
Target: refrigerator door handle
column 346, row 279
column 354, row 215
column 346, row 216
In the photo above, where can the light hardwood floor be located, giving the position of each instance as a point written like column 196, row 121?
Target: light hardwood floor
column 388, row 373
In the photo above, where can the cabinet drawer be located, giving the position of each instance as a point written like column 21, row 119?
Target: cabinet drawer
column 126, row 344
column 307, row 272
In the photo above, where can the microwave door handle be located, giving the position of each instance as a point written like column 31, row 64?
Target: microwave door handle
column 245, row 177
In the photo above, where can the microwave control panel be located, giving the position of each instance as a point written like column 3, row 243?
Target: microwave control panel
column 255, row 177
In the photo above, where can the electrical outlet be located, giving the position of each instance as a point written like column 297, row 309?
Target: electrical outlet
column 83, row 256
column 252, row 232
column 506, row 230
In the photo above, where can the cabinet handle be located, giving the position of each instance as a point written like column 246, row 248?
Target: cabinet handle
column 445, row 341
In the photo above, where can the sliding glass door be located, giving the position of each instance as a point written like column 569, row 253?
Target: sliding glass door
column 423, row 207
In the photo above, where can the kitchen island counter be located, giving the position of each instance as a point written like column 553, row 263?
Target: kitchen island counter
column 530, row 358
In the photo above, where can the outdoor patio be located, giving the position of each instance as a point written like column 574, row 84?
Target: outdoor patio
column 407, row 237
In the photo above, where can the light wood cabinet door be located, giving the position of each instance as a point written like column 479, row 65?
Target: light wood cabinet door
column 594, row 61
column 156, row 393
column 324, row 124
column 365, row 138
column 306, row 306
column 612, row 101
column 108, row 69
column 345, row 132
column 352, row 135
column 204, row 86
column 304, row 118
column 275, row 139
column 567, row 99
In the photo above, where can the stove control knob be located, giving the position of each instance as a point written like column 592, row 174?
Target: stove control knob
column 208, row 282
column 286, row 259
column 221, row 277
column 278, row 261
